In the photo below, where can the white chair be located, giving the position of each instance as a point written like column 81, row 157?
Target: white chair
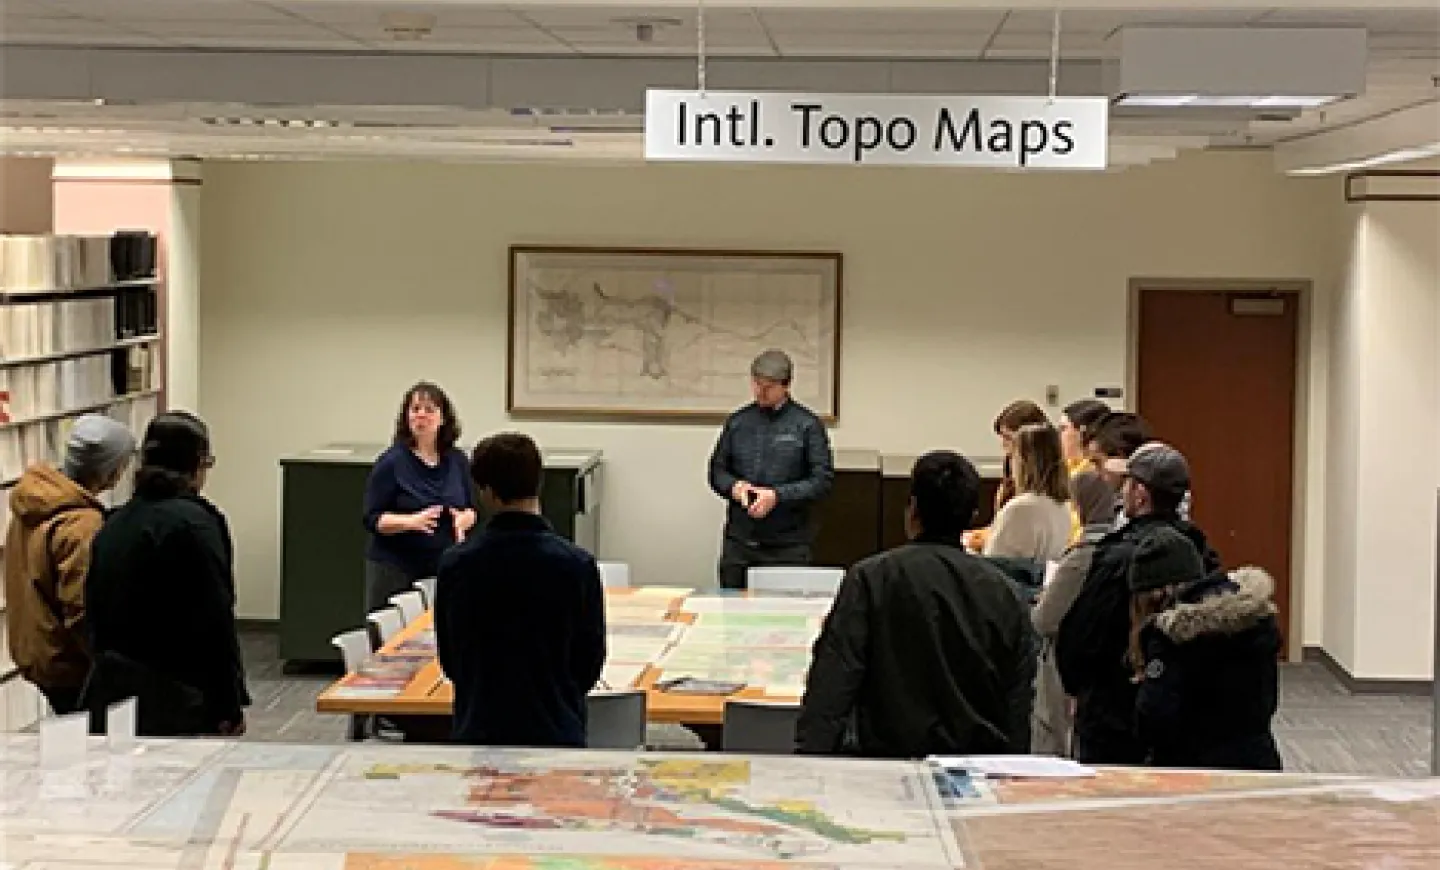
column 615, row 575
column 355, row 648
column 615, row 720
column 760, row 727
column 795, row 580
column 426, row 588
column 410, row 604
column 388, row 623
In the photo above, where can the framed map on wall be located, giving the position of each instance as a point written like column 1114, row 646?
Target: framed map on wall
column 667, row 333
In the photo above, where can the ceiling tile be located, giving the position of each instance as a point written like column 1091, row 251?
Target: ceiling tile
column 28, row 9
column 723, row 18
column 464, row 40
column 137, row 11
column 258, row 33
column 1380, row 20
column 929, row 45
column 367, row 13
column 791, row 21
column 622, row 40
column 69, row 31
column 1104, row 22
column 1009, row 46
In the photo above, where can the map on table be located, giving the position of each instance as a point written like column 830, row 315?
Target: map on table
column 277, row 806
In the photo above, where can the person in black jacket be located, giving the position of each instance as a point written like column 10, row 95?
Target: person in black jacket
column 771, row 463
column 1204, row 651
column 160, row 595
column 927, row 649
column 519, row 613
column 1094, row 637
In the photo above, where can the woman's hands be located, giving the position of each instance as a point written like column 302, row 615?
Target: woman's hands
column 464, row 519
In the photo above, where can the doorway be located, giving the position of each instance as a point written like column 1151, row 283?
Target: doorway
column 1216, row 375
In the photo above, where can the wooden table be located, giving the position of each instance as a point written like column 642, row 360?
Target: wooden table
column 430, row 694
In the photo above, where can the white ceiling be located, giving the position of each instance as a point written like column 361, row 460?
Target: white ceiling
column 1404, row 64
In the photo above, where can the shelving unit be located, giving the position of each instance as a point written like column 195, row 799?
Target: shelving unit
column 80, row 333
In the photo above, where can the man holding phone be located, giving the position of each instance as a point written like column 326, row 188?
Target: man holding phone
column 771, row 463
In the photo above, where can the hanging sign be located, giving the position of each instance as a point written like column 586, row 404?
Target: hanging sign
column 877, row 129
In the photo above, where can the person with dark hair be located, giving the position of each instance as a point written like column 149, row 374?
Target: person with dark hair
column 418, row 499
column 1011, row 419
column 1094, row 634
column 519, row 613
column 1203, row 651
column 1077, row 422
column 55, row 515
column 927, row 649
column 771, row 463
column 160, row 595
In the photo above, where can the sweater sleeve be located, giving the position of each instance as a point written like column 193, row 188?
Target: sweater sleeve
column 722, row 479
column 205, row 549
column 1057, row 597
column 820, row 468
column 1016, row 532
column 380, row 493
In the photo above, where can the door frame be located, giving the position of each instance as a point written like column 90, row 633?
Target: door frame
column 1303, row 291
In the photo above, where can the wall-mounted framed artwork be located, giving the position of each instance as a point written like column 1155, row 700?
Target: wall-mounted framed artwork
column 667, row 333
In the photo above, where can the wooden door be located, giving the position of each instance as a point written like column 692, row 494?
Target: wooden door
column 1217, row 379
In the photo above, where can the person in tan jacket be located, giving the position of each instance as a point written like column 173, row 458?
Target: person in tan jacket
column 55, row 515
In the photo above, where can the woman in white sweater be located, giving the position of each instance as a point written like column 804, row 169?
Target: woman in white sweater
column 1035, row 524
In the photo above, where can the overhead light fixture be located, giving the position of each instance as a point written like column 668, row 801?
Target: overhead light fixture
column 1399, row 155
column 1201, row 101
column 1248, row 69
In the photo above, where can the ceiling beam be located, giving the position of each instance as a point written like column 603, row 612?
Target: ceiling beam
column 485, row 82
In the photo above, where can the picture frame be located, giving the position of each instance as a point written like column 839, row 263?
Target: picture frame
column 667, row 334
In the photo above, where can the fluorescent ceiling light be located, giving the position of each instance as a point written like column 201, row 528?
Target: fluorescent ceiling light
column 1399, row 155
column 1199, row 101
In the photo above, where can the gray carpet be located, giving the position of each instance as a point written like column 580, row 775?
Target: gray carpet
column 1321, row 727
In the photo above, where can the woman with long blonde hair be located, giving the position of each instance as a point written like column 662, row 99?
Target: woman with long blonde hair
column 1035, row 523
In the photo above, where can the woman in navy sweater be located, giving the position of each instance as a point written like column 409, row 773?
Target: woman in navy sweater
column 418, row 500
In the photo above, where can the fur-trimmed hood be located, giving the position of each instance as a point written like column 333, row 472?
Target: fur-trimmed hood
column 1219, row 607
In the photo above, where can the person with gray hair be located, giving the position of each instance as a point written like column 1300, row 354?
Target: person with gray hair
column 771, row 463
column 55, row 515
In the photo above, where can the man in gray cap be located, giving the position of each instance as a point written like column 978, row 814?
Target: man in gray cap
column 771, row 463
column 55, row 515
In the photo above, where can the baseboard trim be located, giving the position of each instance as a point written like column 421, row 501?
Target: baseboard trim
column 1365, row 685
column 257, row 625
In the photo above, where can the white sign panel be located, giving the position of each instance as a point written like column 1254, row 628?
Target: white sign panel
column 877, row 129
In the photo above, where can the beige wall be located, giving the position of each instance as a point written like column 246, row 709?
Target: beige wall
column 328, row 288
column 1385, row 425
column 26, row 203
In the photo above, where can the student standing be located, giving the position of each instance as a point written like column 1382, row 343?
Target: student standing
column 160, row 595
column 771, row 463
column 1011, row 419
column 1034, row 524
column 1204, row 649
column 56, row 514
column 519, row 613
column 927, row 649
column 418, row 500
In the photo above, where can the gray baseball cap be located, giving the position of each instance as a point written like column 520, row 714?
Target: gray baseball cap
column 773, row 365
column 97, row 447
column 1159, row 466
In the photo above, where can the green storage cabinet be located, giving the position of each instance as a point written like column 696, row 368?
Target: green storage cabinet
column 322, row 540
column 849, row 518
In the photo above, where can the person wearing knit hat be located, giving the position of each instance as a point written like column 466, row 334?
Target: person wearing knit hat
column 55, row 516
column 1163, row 558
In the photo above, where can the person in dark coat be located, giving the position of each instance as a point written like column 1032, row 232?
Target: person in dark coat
column 519, row 613
column 1094, row 636
column 927, row 650
column 160, row 595
column 771, row 463
column 1204, row 650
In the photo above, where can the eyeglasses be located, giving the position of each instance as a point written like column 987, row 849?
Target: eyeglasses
column 208, row 462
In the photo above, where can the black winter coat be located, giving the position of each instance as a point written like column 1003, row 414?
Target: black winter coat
column 1211, row 679
column 160, row 600
column 787, row 450
column 1094, row 638
column 927, row 650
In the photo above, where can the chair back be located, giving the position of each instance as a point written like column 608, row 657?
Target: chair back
column 615, row 575
column 616, row 720
column 388, row 622
column 760, row 727
column 354, row 646
column 410, row 604
column 795, row 580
